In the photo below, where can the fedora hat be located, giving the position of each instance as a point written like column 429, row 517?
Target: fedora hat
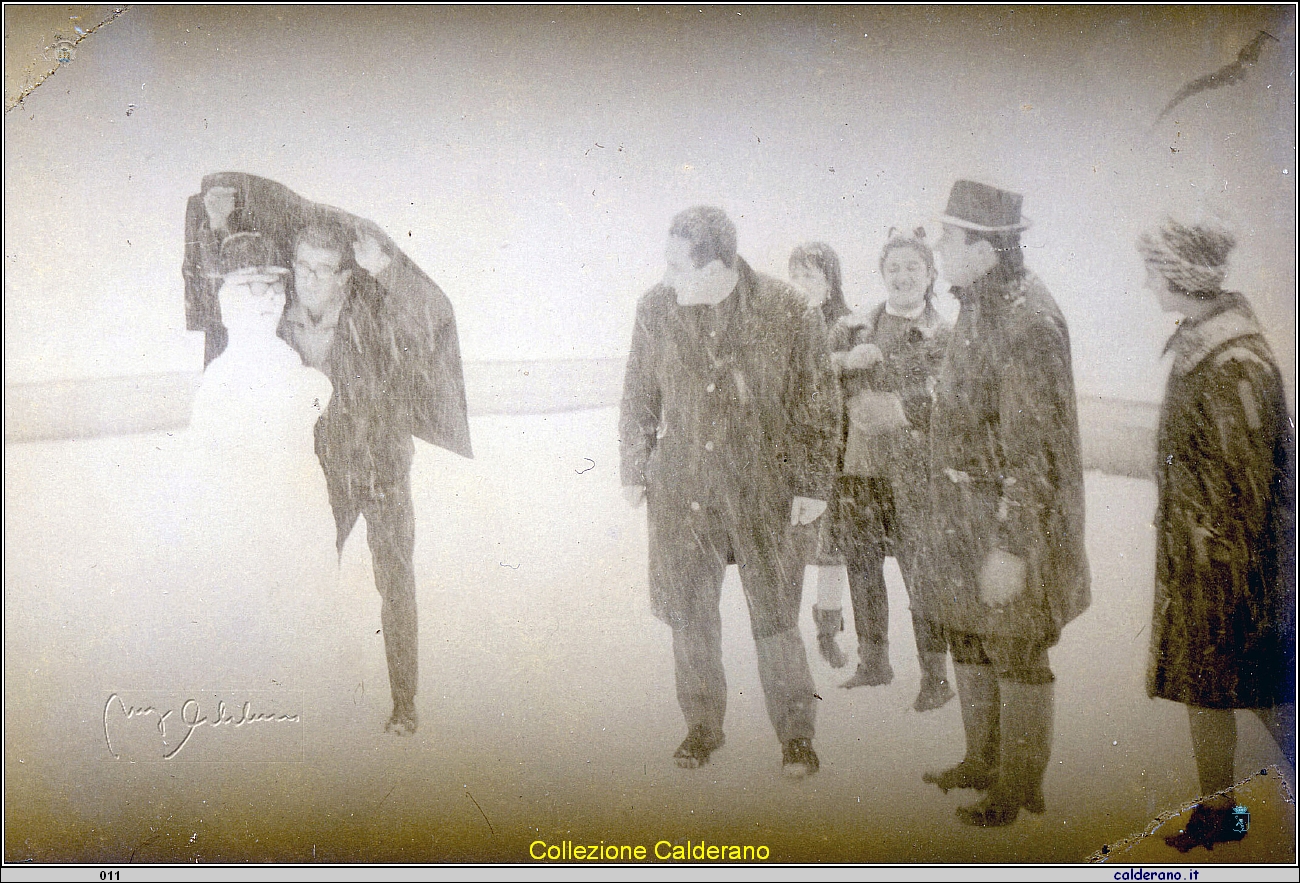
column 986, row 209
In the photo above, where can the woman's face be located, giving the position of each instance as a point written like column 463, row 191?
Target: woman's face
column 1157, row 284
column 252, row 306
column 907, row 277
column 812, row 282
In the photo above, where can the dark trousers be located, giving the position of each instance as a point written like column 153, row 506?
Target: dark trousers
column 871, row 530
column 788, row 688
column 1013, row 659
column 782, row 668
column 390, row 533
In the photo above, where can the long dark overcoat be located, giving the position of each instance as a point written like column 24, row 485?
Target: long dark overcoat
column 1006, row 466
column 732, row 408
column 1223, row 634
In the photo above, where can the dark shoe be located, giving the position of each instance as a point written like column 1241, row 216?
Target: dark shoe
column 1211, row 822
column 829, row 624
column 798, row 760
column 935, row 693
column 994, row 811
column 695, row 749
column 403, row 722
column 874, row 670
column 967, row 774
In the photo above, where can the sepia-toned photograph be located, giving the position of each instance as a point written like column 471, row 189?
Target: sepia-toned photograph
column 650, row 435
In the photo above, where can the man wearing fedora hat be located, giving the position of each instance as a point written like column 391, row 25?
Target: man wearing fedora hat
column 1007, row 489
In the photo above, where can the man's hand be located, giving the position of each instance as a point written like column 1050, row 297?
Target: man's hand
column 634, row 494
column 370, row 255
column 1002, row 577
column 805, row 510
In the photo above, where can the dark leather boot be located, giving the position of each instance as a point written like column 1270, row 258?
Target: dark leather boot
column 1026, row 746
column 977, row 690
column 829, row 624
column 874, row 670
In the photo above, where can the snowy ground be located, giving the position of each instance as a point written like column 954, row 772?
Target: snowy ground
column 546, row 702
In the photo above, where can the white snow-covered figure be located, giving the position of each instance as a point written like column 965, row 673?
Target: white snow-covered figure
column 259, row 533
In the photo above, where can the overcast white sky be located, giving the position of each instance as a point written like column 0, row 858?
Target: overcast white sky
column 530, row 159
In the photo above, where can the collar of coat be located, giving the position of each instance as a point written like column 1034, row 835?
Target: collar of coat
column 1195, row 340
column 927, row 322
column 997, row 286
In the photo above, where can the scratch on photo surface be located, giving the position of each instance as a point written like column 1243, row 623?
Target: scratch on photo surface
column 483, row 814
column 1247, row 791
column 118, row 11
column 385, row 797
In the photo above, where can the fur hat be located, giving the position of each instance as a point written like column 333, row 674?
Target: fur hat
column 1193, row 258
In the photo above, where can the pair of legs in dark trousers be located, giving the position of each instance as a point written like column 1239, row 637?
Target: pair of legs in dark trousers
column 1005, row 686
column 689, row 556
column 877, row 522
column 782, row 668
column 390, row 533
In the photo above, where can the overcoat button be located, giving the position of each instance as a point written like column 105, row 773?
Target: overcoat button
column 708, row 446
column 710, row 388
column 695, row 507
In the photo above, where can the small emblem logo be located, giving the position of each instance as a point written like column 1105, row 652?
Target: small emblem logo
column 1240, row 819
column 64, row 49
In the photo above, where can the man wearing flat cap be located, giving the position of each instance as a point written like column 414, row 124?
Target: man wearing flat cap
column 1007, row 493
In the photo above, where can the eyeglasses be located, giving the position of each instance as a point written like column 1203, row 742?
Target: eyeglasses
column 319, row 271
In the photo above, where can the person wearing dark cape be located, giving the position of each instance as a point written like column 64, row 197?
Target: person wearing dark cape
column 395, row 368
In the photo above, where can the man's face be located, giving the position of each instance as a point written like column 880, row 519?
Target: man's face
column 317, row 279
column 220, row 203
column 962, row 262
column 681, row 268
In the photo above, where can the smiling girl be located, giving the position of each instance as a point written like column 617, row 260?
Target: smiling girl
column 886, row 379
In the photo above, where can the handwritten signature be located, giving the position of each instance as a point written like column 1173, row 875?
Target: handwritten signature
column 189, row 717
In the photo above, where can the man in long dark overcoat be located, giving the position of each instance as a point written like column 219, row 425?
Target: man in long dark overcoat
column 1007, row 494
column 728, row 429
column 363, row 313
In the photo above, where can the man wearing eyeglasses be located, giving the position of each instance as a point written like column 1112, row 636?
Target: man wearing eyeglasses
column 384, row 334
